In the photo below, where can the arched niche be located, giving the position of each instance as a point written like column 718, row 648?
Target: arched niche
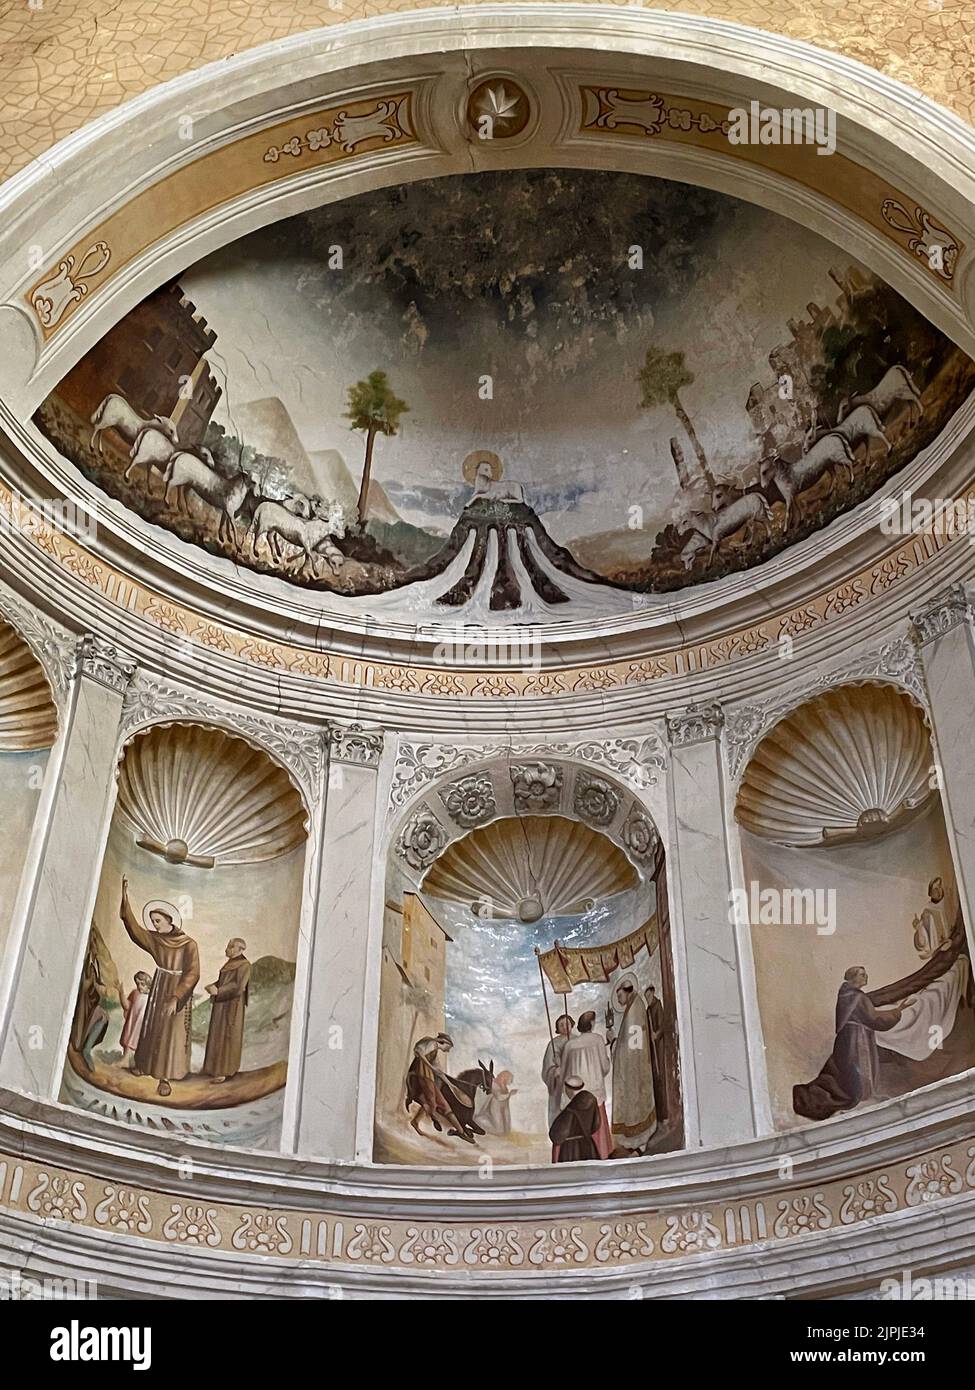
column 847, row 863
column 28, row 732
column 209, row 831
column 517, row 893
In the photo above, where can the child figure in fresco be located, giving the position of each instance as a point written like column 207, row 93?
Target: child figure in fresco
column 135, row 1012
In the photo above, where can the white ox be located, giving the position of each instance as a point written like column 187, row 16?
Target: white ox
column 895, row 385
column 791, row 479
column 276, row 524
column 152, row 448
column 730, row 516
column 116, row 414
column 186, row 473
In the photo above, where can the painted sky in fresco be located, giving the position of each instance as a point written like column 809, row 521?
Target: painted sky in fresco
column 494, row 1002
column 522, row 276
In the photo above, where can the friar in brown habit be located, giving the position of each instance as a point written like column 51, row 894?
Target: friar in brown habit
column 229, row 998
column 572, row 1130
column 163, row 1049
column 849, row 1075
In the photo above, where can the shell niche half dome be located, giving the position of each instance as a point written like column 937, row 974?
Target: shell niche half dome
column 28, row 717
column 528, row 867
column 850, row 765
column 199, row 796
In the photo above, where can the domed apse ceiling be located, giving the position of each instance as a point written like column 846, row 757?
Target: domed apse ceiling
column 526, row 396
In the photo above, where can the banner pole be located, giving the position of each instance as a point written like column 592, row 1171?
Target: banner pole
column 541, row 976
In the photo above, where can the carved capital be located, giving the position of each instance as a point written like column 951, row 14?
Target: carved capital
column 351, row 743
column 947, row 611
column 105, row 663
column 695, row 724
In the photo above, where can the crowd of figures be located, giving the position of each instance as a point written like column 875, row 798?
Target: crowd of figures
column 156, row 1033
column 606, row 1091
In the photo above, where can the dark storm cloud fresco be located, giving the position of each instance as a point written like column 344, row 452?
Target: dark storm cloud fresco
column 542, row 253
column 522, row 276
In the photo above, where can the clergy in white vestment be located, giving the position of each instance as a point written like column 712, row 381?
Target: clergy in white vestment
column 634, row 1106
column 552, row 1071
column 586, row 1058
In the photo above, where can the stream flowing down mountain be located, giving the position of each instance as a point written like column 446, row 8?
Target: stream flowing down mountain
column 499, row 558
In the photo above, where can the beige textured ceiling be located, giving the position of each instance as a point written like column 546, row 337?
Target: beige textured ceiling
column 68, row 61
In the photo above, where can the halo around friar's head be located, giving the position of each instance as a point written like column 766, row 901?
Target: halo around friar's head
column 160, row 905
column 479, row 456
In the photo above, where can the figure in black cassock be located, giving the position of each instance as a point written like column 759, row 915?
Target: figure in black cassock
column 573, row 1128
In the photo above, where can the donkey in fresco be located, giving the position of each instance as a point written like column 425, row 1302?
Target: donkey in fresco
column 434, row 1093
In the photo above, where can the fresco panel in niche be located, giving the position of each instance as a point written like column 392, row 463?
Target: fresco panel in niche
column 183, row 1013
column 512, row 396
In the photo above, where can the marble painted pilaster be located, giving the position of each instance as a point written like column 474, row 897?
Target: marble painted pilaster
column 332, row 1052
column 945, row 632
column 53, row 915
column 723, row 1101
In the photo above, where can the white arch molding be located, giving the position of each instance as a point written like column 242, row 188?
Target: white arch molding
column 917, row 147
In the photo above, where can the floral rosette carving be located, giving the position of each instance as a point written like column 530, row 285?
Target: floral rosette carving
column 470, row 801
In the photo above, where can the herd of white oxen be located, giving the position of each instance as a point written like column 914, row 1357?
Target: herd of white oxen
column 310, row 525
column 860, row 419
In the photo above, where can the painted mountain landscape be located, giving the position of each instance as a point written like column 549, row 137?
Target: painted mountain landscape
column 521, row 396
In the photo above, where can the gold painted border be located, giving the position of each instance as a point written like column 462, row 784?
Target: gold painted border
column 182, row 1219
column 310, row 141
column 605, row 113
column 609, row 112
column 901, row 563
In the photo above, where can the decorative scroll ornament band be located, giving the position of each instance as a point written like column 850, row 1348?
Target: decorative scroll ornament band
column 946, row 612
column 39, row 1191
column 387, row 122
column 105, row 663
column 696, row 724
column 637, row 761
column 354, row 744
column 68, row 285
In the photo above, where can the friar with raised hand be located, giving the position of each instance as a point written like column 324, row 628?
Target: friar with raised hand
column 229, row 998
column 163, row 1050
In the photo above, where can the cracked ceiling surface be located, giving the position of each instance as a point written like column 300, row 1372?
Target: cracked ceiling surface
column 64, row 64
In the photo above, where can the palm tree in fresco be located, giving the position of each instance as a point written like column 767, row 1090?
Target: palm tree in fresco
column 662, row 378
column 374, row 409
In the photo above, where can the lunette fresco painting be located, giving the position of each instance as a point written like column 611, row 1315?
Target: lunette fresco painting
column 511, row 397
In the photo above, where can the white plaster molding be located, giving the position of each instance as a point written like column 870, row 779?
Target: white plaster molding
column 300, row 749
column 897, row 662
column 105, row 663
column 947, row 611
column 53, row 645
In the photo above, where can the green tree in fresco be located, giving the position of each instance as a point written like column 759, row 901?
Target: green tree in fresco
column 662, row 378
column 373, row 409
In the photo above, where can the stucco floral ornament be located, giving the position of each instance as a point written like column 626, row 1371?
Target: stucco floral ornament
column 595, row 801
column 421, row 840
column 640, row 835
column 470, row 801
column 536, row 786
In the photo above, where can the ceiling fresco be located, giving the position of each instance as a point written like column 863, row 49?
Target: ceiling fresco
column 509, row 397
